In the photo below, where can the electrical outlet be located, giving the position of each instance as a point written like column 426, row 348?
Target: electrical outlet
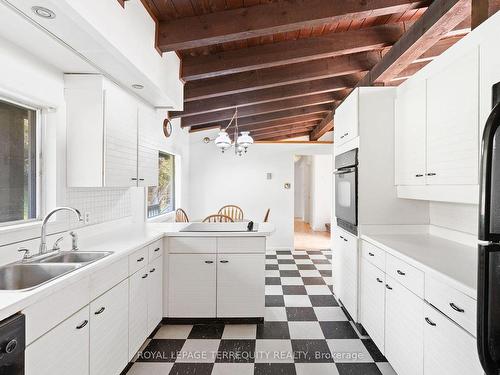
column 86, row 217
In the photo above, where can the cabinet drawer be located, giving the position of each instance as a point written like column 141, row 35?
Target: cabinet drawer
column 456, row 305
column 373, row 254
column 108, row 277
column 155, row 250
column 227, row 245
column 192, row 245
column 137, row 260
column 411, row 277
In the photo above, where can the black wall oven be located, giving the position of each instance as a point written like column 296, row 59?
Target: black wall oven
column 346, row 190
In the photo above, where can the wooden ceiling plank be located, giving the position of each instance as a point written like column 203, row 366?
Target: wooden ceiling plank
column 325, row 126
column 282, row 137
column 289, row 52
column 284, row 130
column 479, row 12
column 278, row 76
column 270, row 18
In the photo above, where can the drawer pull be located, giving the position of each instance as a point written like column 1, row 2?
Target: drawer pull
column 145, row 275
column 430, row 322
column 345, row 239
column 85, row 322
column 371, row 254
column 224, row 261
column 152, row 270
column 208, row 261
column 401, row 272
column 456, row 308
column 380, row 281
column 100, row 311
column 431, row 174
column 140, row 259
column 419, row 175
column 388, row 286
column 157, row 249
column 341, row 237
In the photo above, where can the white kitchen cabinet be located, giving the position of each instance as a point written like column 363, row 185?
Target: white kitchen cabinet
column 155, row 293
column 138, row 310
column 346, row 270
column 410, row 134
column 448, row 349
column 403, row 329
column 453, row 122
column 192, row 285
column 346, row 119
column 372, row 302
column 240, row 285
column 109, row 331
column 148, row 142
column 63, row 350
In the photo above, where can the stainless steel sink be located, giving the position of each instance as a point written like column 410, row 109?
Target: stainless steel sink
column 75, row 257
column 22, row 276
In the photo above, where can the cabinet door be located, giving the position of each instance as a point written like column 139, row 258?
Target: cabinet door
column 138, row 310
column 192, row 285
column 109, row 331
column 411, row 134
column 448, row 349
column 403, row 329
column 240, row 285
column 155, row 293
column 346, row 119
column 346, row 270
column 63, row 350
column 148, row 166
column 452, row 123
column 120, row 122
column 372, row 302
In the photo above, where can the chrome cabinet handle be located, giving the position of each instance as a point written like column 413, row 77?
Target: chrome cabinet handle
column 345, row 239
column 224, row 261
column 401, row 272
column 84, row 323
column 430, row 174
column 145, row 275
column 371, row 254
column 388, row 286
column 141, row 179
column 134, row 179
column 456, row 308
column 380, row 281
column 140, row 259
column 419, row 175
column 100, row 311
column 430, row 322
column 157, row 249
column 153, row 270
column 341, row 237
column 208, row 261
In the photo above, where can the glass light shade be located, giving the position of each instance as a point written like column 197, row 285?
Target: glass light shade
column 245, row 140
column 223, row 141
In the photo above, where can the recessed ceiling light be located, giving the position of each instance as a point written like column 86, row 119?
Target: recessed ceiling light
column 137, row 86
column 43, row 12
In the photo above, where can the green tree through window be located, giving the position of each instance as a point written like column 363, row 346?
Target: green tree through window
column 161, row 198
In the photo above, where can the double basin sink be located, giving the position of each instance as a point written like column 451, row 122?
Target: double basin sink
column 30, row 274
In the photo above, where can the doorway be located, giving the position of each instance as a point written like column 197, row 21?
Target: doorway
column 312, row 201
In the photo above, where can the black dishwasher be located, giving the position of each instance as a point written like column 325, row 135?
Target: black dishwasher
column 12, row 345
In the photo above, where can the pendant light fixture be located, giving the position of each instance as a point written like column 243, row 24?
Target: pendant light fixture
column 242, row 142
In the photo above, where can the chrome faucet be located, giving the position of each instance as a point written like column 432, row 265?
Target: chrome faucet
column 43, row 237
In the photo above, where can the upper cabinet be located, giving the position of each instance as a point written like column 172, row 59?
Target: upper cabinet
column 437, row 133
column 105, row 147
column 346, row 119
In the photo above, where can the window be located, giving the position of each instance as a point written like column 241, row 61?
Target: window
column 18, row 163
column 161, row 198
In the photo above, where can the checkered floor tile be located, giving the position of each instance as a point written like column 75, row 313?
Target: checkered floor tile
column 304, row 332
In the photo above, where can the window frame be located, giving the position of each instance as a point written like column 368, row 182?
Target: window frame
column 39, row 204
column 170, row 214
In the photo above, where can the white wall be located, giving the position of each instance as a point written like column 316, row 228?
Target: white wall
column 321, row 191
column 460, row 217
column 217, row 179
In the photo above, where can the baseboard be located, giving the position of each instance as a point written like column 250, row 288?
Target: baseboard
column 257, row 320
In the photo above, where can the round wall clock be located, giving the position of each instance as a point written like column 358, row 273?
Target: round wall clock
column 167, row 128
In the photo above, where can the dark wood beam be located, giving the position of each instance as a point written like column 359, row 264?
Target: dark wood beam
column 480, row 12
column 439, row 19
column 262, row 108
column 282, row 137
column 410, row 70
column 283, row 130
column 270, row 18
column 257, row 119
column 241, row 100
column 289, row 52
column 279, row 76
column 325, row 126
column 438, row 48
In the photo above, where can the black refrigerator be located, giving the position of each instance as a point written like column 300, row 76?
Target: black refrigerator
column 488, row 287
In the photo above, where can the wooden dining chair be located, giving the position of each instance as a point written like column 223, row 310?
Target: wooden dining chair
column 218, row 218
column 232, row 211
column 181, row 216
column 266, row 216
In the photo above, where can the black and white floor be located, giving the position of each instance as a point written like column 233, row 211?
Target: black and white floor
column 305, row 332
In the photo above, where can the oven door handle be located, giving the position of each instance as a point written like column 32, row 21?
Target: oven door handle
column 344, row 170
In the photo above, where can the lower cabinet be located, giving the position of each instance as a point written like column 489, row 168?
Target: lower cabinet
column 403, row 329
column 138, row 310
column 372, row 302
column 448, row 349
column 240, row 285
column 62, row 351
column 155, row 293
column 109, row 331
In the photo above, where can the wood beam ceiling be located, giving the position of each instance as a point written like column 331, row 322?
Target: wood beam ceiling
column 282, row 137
column 270, row 18
column 324, row 126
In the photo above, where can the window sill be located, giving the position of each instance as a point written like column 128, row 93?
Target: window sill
column 162, row 218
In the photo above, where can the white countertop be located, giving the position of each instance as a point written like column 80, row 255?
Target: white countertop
column 122, row 242
column 449, row 260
